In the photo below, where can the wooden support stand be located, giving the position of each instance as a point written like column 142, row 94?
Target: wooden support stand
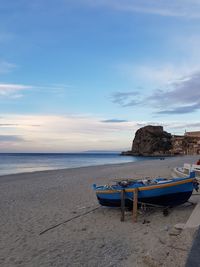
column 135, row 204
column 122, row 204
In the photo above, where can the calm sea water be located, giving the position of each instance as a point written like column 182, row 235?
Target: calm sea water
column 29, row 162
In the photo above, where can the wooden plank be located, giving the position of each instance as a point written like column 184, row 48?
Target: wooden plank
column 135, row 204
column 122, row 204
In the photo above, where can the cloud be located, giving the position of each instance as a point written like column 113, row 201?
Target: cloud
column 158, row 74
column 181, row 110
column 126, row 99
column 181, row 97
column 184, row 97
column 184, row 125
column 18, row 90
column 10, row 138
column 176, row 8
column 182, row 91
column 12, row 90
column 6, row 67
column 17, row 125
column 113, row 121
column 65, row 133
column 73, row 133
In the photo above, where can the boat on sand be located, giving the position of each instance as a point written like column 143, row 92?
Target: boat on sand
column 158, row 191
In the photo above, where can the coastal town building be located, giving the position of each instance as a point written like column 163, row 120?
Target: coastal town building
column 187, row 144
column 193, row 134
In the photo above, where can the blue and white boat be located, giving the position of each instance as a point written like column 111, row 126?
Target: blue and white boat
column 158, row 191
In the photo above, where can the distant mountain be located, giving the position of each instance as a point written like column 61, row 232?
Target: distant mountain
column 102, row 151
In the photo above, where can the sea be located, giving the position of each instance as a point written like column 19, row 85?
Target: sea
column 11, row 163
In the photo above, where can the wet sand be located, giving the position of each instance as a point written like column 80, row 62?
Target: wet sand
column 91, row 235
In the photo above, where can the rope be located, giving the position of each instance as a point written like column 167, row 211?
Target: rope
column 73, row 218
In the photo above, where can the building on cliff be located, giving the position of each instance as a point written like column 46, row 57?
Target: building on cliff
column 193, row 134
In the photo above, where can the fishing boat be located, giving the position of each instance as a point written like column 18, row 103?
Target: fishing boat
column 187, row 168
column 159, row 191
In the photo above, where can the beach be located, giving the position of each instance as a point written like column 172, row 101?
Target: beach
column 86, row 234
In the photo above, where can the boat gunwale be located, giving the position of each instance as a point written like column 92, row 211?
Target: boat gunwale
column 146, row 187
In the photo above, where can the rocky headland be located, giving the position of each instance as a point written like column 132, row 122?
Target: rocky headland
column 151, row 141
column 154, row 141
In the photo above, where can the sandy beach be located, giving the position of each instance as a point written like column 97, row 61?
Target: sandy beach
column 87, row 235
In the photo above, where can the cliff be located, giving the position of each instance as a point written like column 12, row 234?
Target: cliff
column 151, row 141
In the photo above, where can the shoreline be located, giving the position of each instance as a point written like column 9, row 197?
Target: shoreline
column 72, row 168
column 65, row 169
column 30, row 203
column 194, row 157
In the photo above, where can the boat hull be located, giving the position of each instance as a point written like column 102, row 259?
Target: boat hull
column 168, row 200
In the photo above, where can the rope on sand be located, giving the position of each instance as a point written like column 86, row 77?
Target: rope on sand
column 73, row 218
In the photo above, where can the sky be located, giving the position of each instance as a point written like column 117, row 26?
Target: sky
column 85, row 75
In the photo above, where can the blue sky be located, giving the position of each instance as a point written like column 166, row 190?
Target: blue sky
column 85, row 75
